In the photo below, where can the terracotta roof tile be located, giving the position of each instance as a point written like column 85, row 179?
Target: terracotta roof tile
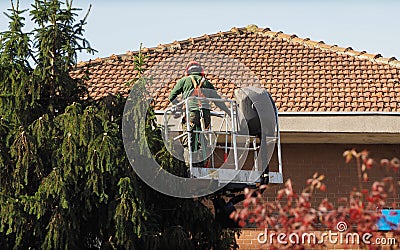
column 301, row 74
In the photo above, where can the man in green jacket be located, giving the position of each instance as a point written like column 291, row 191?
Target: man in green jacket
column 195, row 84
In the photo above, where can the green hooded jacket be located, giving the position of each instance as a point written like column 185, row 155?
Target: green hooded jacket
column 185, row 87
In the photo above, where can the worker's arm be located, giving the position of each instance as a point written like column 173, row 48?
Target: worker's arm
column 176, row 91
column 214, row 94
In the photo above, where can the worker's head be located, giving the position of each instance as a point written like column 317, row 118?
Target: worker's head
column 194, row 67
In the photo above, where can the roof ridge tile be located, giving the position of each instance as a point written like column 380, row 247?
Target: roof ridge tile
column 349, row 51
column 284, row 36
column 252, row 28
column 297, row 40
column 271, row 33
column 366, row 55
column 236, row 30
column 310, row 42
column 385, row 60
column 324, row 46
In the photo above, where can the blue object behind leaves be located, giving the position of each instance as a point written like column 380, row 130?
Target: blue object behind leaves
column 390, row 220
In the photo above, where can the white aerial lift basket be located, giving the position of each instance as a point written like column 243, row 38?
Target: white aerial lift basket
column 236, row 149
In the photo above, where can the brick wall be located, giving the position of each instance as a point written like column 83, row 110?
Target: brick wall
column 301, row 161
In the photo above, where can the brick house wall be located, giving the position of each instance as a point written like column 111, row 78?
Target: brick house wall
column 301, row 161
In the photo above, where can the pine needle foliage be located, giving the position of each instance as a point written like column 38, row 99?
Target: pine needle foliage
column 65, row 181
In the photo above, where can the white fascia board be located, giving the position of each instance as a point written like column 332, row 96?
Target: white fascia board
column 340, row 123
column 334, row 122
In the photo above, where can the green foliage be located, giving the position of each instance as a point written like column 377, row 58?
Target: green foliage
column 65, row 181
column 128, row 215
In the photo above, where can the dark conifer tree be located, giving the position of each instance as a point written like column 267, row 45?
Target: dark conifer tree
column 65, row 181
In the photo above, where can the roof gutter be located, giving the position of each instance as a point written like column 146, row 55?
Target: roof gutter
column 339, row 113
column 336, row 127
column 357, row 113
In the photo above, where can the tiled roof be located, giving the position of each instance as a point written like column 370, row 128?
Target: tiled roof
column 301, row 75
